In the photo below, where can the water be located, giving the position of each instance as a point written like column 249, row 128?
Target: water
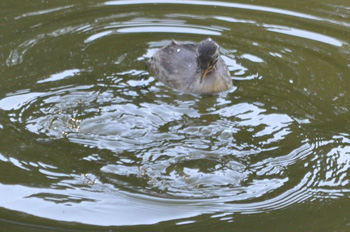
column 89, row 140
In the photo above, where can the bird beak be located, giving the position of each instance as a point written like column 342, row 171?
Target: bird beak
column 204, row 74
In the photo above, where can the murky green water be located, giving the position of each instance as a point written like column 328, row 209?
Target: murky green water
column 90, row 141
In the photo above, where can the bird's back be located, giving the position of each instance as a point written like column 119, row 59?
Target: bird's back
column 175, row 65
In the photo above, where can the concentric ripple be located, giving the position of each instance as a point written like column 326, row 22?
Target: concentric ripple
column 98, row 135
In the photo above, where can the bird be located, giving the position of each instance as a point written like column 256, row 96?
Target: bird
column 192, row 68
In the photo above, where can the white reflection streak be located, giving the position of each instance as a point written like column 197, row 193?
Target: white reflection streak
column 60, row 76
column 41, row 12
column 147, row 29
column 222, row 4
column 168, row 30
column 304, row 34
column 17, row 101
column 98, row 35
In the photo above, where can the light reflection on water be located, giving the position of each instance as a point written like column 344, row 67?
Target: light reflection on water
column 101, row 137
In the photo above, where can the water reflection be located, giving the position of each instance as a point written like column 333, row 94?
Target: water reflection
column 86, row 131
column 221, row 4
column 304, row 34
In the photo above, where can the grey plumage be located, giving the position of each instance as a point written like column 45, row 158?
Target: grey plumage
column 195, row 68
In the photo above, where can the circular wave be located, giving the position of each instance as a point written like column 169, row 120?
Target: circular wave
column 133, row 140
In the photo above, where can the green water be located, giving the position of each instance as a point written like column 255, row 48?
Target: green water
column 90, row 141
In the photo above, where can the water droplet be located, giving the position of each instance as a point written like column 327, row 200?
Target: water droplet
column 226, row 135
column 178, row 50
column 205, row 131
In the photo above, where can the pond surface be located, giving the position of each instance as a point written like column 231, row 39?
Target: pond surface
column 89, row 140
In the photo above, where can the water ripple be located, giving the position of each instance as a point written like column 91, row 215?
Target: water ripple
column 97, row 134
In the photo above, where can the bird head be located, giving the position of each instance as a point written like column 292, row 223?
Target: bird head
column 207, row 56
